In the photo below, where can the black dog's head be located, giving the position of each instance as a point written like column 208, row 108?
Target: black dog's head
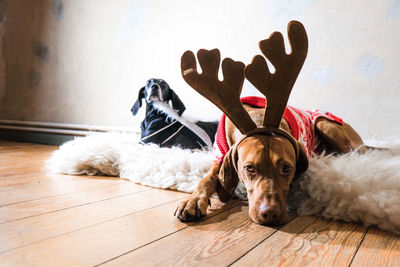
column 157, row 90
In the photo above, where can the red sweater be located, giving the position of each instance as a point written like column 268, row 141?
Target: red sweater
column 301, row 123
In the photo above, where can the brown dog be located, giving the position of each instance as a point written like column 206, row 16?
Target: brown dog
column 266, row 165
column 263, row 154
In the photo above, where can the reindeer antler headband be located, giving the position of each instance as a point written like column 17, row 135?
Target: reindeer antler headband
column 276, row 87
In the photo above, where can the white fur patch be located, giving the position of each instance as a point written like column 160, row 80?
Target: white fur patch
column 352, row 187
column 165, row 108
column 357, row 188
column 118, row 154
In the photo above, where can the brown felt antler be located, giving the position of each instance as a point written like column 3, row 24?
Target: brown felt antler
column 277, row 86
column 224, row 94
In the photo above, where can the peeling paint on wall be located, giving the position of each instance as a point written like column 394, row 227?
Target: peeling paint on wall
column 137, row 14
column 323, row 76
column 369, row 65
column 34, row 78
column 41, row 51
column 286, row 10
column 3, row 4
column 57, row 8
column 394, row 10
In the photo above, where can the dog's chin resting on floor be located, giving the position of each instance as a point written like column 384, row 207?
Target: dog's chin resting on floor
column 351, row 187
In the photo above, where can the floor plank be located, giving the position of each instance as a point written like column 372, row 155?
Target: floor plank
column 307, row 241
column 19, row 181
column 51, row 204
column 378, row 249
column 10, row 180
column 56, row 186
column 33, row 229
column 101, row 242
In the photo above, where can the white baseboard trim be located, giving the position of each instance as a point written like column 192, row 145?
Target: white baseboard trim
column 51, row 132
column 61, row 128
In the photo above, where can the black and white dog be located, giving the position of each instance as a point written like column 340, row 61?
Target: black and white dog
column 164, row 125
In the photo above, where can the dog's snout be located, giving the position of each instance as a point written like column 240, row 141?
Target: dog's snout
column 270, row 214
column 154, row 93
column 154, row 90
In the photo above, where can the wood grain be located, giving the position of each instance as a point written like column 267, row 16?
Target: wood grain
column 101, row 242
column 64, row 220
column 56, row 187
column 378, row 249
column 33, row 229
column 214, row 242
column 59, row 202
column 8, row 181
column 20, row 181
column 307, row 241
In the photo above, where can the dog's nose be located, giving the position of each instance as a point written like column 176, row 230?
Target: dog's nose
column 154, row 90
column 269, row 214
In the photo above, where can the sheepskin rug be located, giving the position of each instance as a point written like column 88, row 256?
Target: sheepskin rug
column 352, row 187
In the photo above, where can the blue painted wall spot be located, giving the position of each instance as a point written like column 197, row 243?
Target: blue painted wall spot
column 323, row 76
column 394, row 10
column 284, row 11
column 135, row 20
column 369, row 65
column 57, row 8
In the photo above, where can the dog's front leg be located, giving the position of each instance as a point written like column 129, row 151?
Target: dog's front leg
column 195, row 207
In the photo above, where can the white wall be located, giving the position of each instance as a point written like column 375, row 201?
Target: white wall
column 99, row 54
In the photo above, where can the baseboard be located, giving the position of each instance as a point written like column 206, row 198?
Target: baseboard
column 49, row 132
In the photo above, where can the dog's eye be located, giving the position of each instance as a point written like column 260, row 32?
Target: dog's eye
column 148, row 82
column 250, row 168
column 286, row 169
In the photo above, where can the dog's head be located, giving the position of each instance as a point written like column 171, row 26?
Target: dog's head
column 157, row 90
column 266, row 165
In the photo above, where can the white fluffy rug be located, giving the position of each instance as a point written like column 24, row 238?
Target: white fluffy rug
column 119, row 154
column 357, row 188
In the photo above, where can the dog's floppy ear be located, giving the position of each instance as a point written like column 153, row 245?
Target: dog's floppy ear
column 228, row 176
column 138, row 102
column 302, row 161
column 177, row 104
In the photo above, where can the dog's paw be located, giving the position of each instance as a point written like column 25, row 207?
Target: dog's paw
column 192, row 209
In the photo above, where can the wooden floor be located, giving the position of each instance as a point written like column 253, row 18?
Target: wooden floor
column 61, row 220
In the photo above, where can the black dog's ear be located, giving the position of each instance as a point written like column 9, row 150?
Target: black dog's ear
column 228, row 176
column 138, row 102
column 302, row 161
column 177, row 104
